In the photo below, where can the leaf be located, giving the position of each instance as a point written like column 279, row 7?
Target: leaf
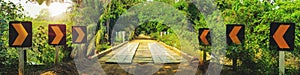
column 40, row 2
column 48, row 2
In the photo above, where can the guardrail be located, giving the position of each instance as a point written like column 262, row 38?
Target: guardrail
column 102, row 53
column 185, row 55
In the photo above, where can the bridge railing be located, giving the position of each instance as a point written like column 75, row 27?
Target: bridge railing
column 102, row 53
column 184, row 55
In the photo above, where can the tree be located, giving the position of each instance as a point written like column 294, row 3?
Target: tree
column 44, row 15
column 9, row 12
column 48, row 2
column 257, row 16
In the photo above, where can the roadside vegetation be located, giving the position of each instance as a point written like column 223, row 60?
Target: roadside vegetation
column 100, row 16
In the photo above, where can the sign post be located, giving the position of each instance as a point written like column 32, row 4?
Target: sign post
column 57, row 36
column 235, row 36
column 56, row 54
column 204, row 39
column 21, row 62
column 123, row 36
column 282, row 38
column 20, row 35
column 281, row 63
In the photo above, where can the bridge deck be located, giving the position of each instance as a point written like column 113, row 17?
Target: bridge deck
column 142, row 52
column 146, row 59
column 125, row 55
column 160, row 54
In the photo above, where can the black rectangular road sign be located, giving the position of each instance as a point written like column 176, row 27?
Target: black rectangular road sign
column 204, row 36
column 79, row 34
column 20, row 34
column 282, row 36
column 57, row 34
column 235, row 34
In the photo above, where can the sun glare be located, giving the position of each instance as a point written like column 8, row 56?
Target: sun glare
column 58, row 8
column 33, row 9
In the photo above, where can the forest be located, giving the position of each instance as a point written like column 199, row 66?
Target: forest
column 104, row 18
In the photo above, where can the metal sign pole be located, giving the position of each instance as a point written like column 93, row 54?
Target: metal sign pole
column 204, row 54
column 21, row 61
column 123, row 36
column 281, row 63
column 56, row 54
column 234, row 60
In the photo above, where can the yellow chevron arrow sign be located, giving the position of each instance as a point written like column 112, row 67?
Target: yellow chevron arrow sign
column 233, row 34
column 79, row 34
column 59, row 35
column 278, row 36
column 282, row 36
column 22, row 34
column 19, row 32
column 203, row 37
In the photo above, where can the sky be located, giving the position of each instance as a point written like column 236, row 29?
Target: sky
column 32, row 9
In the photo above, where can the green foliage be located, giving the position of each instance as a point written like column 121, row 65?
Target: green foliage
column 40, row 52
column 257, row 17
column 150, row 27
column 87, row 13
column 48, row 2
column 100, row 43
column 254, row 54
column 8, row 12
